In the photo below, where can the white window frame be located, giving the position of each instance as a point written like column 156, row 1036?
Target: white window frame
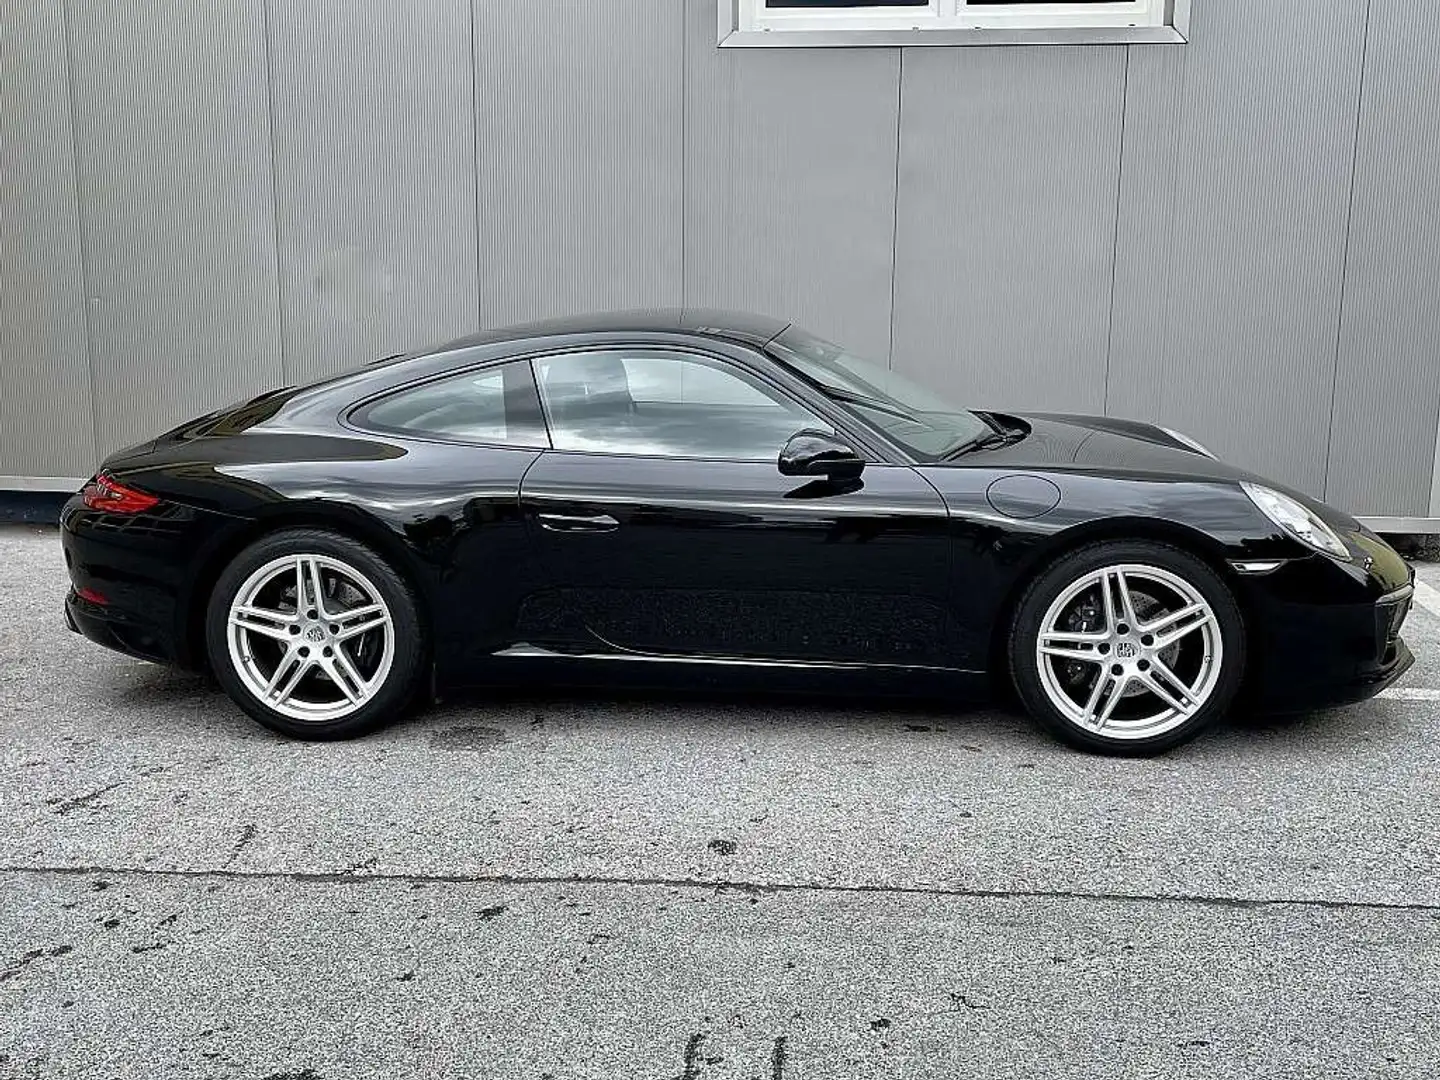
column 749, row 23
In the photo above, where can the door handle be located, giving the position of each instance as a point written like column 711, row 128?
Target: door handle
column 578, row 522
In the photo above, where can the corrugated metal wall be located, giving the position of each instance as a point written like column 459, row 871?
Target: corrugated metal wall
column 790, row 182
column 1235, row 236
column 176, row 205
column 1387, row 383
column 372, row 115
column 1245, row 275
column 1009, row 166
column 46, row 426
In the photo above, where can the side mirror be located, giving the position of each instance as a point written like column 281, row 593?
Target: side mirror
column 818, row 453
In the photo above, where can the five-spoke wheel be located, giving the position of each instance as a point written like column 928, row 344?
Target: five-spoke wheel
column 314, row 635
column 311, row 637
column 1127, row 647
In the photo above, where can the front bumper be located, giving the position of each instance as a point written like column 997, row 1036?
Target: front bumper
column 1309, row 656
column 1329, row 695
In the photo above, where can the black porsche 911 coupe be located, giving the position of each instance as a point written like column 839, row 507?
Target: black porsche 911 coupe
column 713, row 493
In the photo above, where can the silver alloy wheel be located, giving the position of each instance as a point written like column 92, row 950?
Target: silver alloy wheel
column 311, row 637
column 1129, row 651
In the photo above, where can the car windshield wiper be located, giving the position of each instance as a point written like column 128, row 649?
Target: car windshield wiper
column 852, row 398
column 986, row 440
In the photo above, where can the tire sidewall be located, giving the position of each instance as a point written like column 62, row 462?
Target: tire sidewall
column 399, row 688
column 1051, row 582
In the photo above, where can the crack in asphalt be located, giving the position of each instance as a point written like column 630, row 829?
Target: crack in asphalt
column 349, row 877
column 246, row 835
column 64, row 806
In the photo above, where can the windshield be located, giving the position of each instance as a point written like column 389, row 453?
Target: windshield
column 917, row 418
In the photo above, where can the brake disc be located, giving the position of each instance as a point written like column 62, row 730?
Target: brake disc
column 1087, row 618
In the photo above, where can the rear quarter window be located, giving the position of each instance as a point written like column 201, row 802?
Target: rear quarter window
column 495, row 405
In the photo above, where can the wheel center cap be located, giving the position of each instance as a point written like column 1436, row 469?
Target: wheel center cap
column 315, row 633
column 1127, row 650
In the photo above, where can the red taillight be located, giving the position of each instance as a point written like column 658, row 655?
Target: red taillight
column 108, row 494
column 91, row 596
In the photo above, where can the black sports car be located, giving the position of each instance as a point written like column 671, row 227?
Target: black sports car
column 717, row 494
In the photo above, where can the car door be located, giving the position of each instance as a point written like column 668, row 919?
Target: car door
column 467, row 438
column 663, row 521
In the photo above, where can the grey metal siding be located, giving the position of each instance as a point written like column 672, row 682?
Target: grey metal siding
column 1434, row 480
column 790, row 193
column 1260, row 194
column 1233, row 237
column 1009, row 164
column 1387, row 390
column 173, row 138
column 1145, row 235
column 375, row 178
column 45, row 424
column 579, row 114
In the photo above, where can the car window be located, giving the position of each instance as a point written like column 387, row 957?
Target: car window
column 488, row 405
column 666, row 405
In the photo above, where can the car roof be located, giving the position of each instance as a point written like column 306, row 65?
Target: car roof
column 739, row 326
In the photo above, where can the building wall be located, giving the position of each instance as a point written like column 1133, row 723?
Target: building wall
column 1235, row 237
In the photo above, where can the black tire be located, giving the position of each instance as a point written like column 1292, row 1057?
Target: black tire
column 389, row 700
column 1049, row 585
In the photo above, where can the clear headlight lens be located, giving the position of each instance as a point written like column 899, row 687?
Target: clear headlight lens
column 1181, row 437
column 1296, row 520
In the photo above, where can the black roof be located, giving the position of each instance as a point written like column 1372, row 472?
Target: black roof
column 738, row 326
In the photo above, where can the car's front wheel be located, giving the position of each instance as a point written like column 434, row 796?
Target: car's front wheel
column 1128, row 647
column 314, row 635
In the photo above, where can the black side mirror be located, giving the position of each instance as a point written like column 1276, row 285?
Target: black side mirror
column 818, row 453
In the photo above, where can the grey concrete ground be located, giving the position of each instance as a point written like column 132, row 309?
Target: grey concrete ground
column 666, row 888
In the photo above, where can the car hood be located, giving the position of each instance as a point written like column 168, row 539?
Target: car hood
column 1065, row 439
column 1124, row 447
column 1108, row 441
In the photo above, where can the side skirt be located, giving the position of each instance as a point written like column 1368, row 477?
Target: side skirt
column 529, row 669
column 539, row 652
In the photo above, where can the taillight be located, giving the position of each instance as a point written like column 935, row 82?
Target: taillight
column 108, row 494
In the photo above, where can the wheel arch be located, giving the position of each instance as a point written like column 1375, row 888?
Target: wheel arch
column 348, row 521
column 1044, row 553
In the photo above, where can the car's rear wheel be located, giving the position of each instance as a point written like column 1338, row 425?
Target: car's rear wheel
column 315, row 635
column 1128, row 647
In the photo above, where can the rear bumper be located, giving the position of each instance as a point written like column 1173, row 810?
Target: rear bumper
column 134, row 577
column 119, row 631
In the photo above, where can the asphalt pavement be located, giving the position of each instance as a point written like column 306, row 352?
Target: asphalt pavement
column 685, row 888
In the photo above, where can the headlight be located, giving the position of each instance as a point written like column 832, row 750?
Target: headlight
column 1296, row 520
column 1185, row 440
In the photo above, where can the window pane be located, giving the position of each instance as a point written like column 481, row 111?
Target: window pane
column 863, row 15
column 492, row 405
column 845, row 3
column 665, row 406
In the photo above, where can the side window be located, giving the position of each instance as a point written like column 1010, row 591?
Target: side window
column 665, row 405
column 488, row 405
